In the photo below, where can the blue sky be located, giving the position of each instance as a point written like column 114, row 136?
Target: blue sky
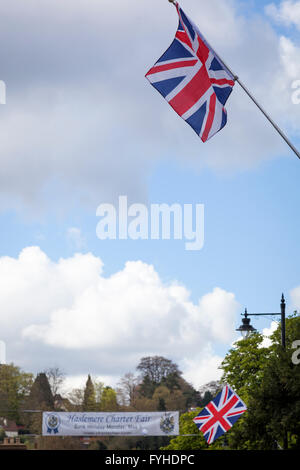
column 64, row 154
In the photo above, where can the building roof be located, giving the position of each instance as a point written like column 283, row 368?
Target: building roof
column 8, row 425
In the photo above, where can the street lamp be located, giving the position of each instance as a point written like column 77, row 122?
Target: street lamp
column 246, row 329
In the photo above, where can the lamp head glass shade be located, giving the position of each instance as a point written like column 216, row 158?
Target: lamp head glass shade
column 246, row 329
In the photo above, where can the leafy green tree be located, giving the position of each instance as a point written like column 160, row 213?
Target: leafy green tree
column 244, row 364
column 15, row 387
column 98, row 388
column 147, row 387
column 207, row 397
column 155, row 371
column 191, row 396
column 89, row 396
column 166, row 399
column 270, row 388
column 193, row 440
column 159, row 373
column 276, row 403
column 109, row 400
column 161, row 406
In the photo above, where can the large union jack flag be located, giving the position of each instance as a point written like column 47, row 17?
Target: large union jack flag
column 194, row 81
column 220, row 414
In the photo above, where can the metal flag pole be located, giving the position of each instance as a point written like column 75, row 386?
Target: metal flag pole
column 236, row 78
column 269, row 119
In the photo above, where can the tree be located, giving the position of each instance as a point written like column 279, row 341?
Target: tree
column 157, row 368
column 58, row 443
column 40, row 396
column 75, row 398
column 2, row 435
column 155, row 371
column 89, row 397
column 195, row 441
column 170, row 400
column 270, row 386
column 192, row 397
column 276, row 403
column 40, row 399
column 147, row 387
column 161, row 385
column 207, row 397
column 108, row 400
column 55, row 378
column 15, row 387
column 244, row 364
column 127, row 389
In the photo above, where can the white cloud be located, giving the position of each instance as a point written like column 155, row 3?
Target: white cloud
column 72, row 382
column 67, row 312
column 290, row 58
column 287, row 13
column 267, row 332
column 82, row 125
column 204, row 369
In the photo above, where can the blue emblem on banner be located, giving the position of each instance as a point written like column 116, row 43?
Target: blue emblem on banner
column 167, row 423
column 53, row 422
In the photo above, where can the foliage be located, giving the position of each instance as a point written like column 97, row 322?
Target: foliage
column 58, row 443
column 40, row 394
column 276, row 403
column 14, row 388
column 267, row 380
column 271, row 389
column 207, row 397
column 195, row 441
column 2, row 434
column 264, row 377
column 97, row 445
column 244, row 364
column 39, row 399
column 108, row 401
column 89, row 396
column 163, row 387
column 157, row 370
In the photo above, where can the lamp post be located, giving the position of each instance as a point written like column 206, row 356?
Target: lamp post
column 246, row 329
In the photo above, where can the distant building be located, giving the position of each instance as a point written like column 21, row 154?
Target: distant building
column 9, row 427
column 61, row 404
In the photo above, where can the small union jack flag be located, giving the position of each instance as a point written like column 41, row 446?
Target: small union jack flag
column 194, row 81
column 220, row 414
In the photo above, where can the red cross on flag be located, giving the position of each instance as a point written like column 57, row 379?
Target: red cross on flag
column 220, row 414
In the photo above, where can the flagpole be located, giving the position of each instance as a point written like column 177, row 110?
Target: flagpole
column 236, row 78
column 269, row 118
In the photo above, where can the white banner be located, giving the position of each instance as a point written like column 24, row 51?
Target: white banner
column 111, row 424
